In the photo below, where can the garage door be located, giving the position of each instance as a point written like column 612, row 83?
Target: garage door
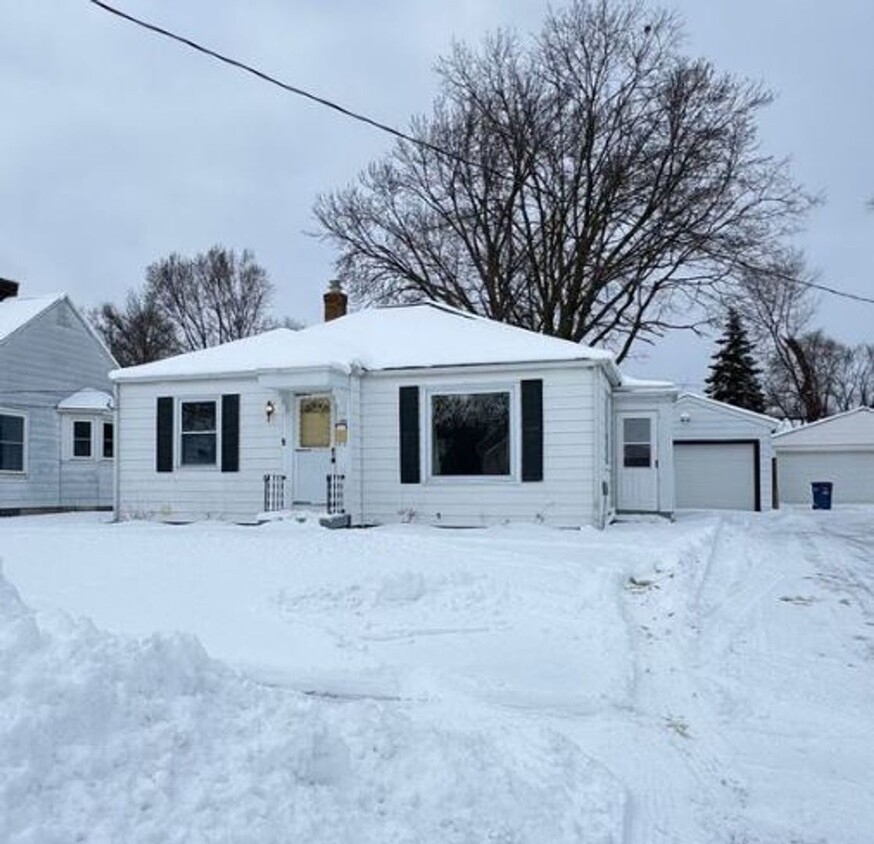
column 851, row 472
column 719, row 476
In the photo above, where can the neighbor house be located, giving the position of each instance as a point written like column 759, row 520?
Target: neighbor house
column 56, row 417
column 838, row 449
column 410, row 413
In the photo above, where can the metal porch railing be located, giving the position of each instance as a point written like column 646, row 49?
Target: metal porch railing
column 274, row 493
column 335, row 501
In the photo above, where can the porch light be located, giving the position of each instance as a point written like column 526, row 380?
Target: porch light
column 269, row 409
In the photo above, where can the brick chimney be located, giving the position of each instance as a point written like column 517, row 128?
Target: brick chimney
column 335, row 301
column 8, row 289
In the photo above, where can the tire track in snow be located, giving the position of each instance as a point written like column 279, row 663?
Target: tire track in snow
column 685, row 773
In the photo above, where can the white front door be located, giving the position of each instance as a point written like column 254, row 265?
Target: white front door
column 637, row 482
column 312, row 452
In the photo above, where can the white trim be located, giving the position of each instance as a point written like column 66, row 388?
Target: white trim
column 71, row 421
column 721, row 406
column 515, row 440
column 18, row 473
column 177, row 426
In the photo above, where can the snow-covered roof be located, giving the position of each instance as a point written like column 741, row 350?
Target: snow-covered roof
column 17, row 311
column 853, row 428
column 401, row 337
column 87, row 399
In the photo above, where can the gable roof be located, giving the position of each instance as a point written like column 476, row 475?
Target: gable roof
column 400, row 337
column 18, row 311
column 850, row 428
column 725, row 407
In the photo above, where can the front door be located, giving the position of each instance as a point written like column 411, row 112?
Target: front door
column 637, row 487
column 312, row 453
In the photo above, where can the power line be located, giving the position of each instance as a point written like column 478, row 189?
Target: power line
column 814, row 285
column 383, row 127
column 292, row 89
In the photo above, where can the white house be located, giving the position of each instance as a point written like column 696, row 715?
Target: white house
column 723, row 457
column 416, row 412
column 56, row 418
column 839, row 449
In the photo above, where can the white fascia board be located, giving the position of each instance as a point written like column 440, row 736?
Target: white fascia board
column 304, row 378
column 488, row 368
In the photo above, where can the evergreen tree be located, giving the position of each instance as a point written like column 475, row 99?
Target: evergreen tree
column 734, row 376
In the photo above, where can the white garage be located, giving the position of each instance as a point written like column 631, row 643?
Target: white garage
column 839, row 449
column 722, row 456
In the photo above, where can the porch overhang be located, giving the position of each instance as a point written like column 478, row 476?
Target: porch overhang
column 311, row 379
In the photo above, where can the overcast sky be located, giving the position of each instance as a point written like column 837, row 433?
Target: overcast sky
column 118, row 147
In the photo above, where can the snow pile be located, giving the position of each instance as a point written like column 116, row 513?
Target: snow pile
column 108, row 739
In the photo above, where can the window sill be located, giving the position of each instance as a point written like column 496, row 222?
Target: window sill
column 467, row 480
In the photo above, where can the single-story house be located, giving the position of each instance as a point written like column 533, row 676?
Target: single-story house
column 723, row 457
column 407, row 413
column 839, row 449
column 56, row 415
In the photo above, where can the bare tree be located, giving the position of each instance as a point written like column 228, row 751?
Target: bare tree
column 138, row 333
column 596, row 185
column 211, row 298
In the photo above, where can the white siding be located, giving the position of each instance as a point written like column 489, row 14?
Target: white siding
column 696, row 418
column 603, row 450
column 565, row 497
column 43, row 362
column 190, row 493
column 851, row 472
column 661, row 404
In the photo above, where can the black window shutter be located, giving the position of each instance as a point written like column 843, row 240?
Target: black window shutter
column 409, row 434
column 532, row 430
column 164, row 435
column 231, row 432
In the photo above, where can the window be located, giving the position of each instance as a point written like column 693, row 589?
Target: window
column 198, row 433
column 81, row 439
column 637, row 442
column 314, row 421
column 11, row 442
column 470, row 434
column 108, row 439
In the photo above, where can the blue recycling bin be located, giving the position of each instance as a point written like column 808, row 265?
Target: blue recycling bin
column 822, row 495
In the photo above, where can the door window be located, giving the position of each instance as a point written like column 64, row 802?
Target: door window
column 637, row 442
column 314, row 422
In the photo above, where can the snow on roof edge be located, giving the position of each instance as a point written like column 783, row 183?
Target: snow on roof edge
column 808, row 425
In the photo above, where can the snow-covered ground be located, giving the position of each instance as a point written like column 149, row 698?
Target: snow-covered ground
column 709, row 680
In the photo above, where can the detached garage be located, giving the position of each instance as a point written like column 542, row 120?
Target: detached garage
column 722, row 456
column 839, row 449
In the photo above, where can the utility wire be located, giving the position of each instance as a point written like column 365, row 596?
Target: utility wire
column 384, row 127
column 292, row 89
